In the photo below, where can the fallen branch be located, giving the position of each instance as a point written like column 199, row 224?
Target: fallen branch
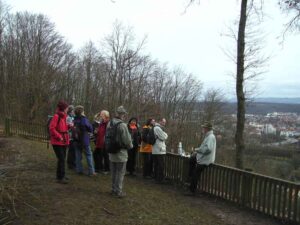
column 108, row 212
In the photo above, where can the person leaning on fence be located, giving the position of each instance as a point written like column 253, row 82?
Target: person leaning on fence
column 146, row 150
column 59, row 139
column 71, row 157
column 159, row 150
column 118, row 160
column 83, row 128
column 202, row 157
column 100, row 154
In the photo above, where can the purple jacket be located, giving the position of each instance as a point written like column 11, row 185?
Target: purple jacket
column 86, row 128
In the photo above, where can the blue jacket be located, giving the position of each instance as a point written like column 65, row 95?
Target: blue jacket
column 86, row 128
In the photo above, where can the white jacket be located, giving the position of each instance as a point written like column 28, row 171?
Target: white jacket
column 206, row 153
column 159, row 148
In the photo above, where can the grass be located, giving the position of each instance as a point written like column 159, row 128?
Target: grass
column 30, row 192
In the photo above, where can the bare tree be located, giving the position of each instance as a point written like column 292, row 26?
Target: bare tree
column 291, row 7
column 248, row 67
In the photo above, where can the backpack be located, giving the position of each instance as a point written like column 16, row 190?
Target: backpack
column 111, row 142
column 48, row 125
column 151, row 139
column 77, row 131
column 145, row 132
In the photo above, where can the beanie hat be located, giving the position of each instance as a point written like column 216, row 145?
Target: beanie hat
column 70, row 108
column 121, row 110
column 61, row 105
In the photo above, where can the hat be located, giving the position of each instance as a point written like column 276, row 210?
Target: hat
column 70, row 108
column 207, row 125
column 121, row 110
column 79, row 110
column 61, row 105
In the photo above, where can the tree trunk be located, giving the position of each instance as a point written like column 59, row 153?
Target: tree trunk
column 239, row 135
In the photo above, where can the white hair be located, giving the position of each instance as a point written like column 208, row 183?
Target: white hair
column 105, row 113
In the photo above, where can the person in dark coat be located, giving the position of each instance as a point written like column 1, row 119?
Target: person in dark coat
column 136, row 140
column 82, row 141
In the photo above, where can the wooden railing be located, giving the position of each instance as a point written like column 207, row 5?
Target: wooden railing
column 26, row 129
column 274, row 197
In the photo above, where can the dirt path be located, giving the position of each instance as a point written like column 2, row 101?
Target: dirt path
column 29, row 191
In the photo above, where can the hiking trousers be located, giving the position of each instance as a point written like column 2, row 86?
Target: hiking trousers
column 195, row 172
column 117, row 170
column 159, row 167
column 60, row 152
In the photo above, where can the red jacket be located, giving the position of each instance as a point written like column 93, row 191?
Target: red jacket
column 101, row 135
column 59, row 129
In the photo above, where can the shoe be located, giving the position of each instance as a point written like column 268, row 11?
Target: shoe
column 105, row 172
column 113, row 193
column 66, row 178
column 189, row 193
column 62, row 181
column 92, row 174
column 121, row 195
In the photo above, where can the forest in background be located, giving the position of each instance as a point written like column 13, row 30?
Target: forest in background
column 38, row 67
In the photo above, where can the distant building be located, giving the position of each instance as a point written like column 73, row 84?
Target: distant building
column 268, row 129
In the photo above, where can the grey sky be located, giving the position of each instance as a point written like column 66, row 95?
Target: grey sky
column 192, row 40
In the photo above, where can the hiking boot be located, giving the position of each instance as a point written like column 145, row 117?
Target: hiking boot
column 113, row 193
column 121, row 195
column 148, row 177
column 92, row 175
column 62, row 181
column 105, row 172
column 189, row 193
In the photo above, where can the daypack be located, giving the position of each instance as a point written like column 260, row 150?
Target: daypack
column 111, row 143
column 77, row 131
column 151, row 139
column 145, row 132
column 48, row 125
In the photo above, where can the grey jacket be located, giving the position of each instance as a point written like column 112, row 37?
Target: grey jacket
column 124, row 137
column 206, row 153
column 159, row 148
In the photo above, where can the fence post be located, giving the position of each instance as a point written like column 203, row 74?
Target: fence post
column 246, row 188
column 7, row 127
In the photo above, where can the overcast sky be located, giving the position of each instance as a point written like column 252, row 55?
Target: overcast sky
column 192, row 40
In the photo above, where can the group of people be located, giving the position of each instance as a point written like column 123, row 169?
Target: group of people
column 71, row 134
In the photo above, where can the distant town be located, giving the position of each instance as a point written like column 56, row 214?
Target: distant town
column 276, row 128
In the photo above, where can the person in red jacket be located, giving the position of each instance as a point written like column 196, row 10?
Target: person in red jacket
column 59, row 139
column 100, row 154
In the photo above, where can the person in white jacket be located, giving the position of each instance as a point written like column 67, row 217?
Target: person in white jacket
column 203, row 156
column 159, row 150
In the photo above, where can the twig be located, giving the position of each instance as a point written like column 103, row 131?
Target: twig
column 107, row 211
column 31, row 206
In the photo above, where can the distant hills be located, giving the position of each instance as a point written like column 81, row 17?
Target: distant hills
column 274, row 100
column 266, row 105
column 279, row 100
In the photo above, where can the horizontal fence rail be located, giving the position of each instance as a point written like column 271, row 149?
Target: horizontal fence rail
column 274, row 197
column 26, row 129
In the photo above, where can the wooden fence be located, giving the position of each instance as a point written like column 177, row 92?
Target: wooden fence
column 273, row 197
